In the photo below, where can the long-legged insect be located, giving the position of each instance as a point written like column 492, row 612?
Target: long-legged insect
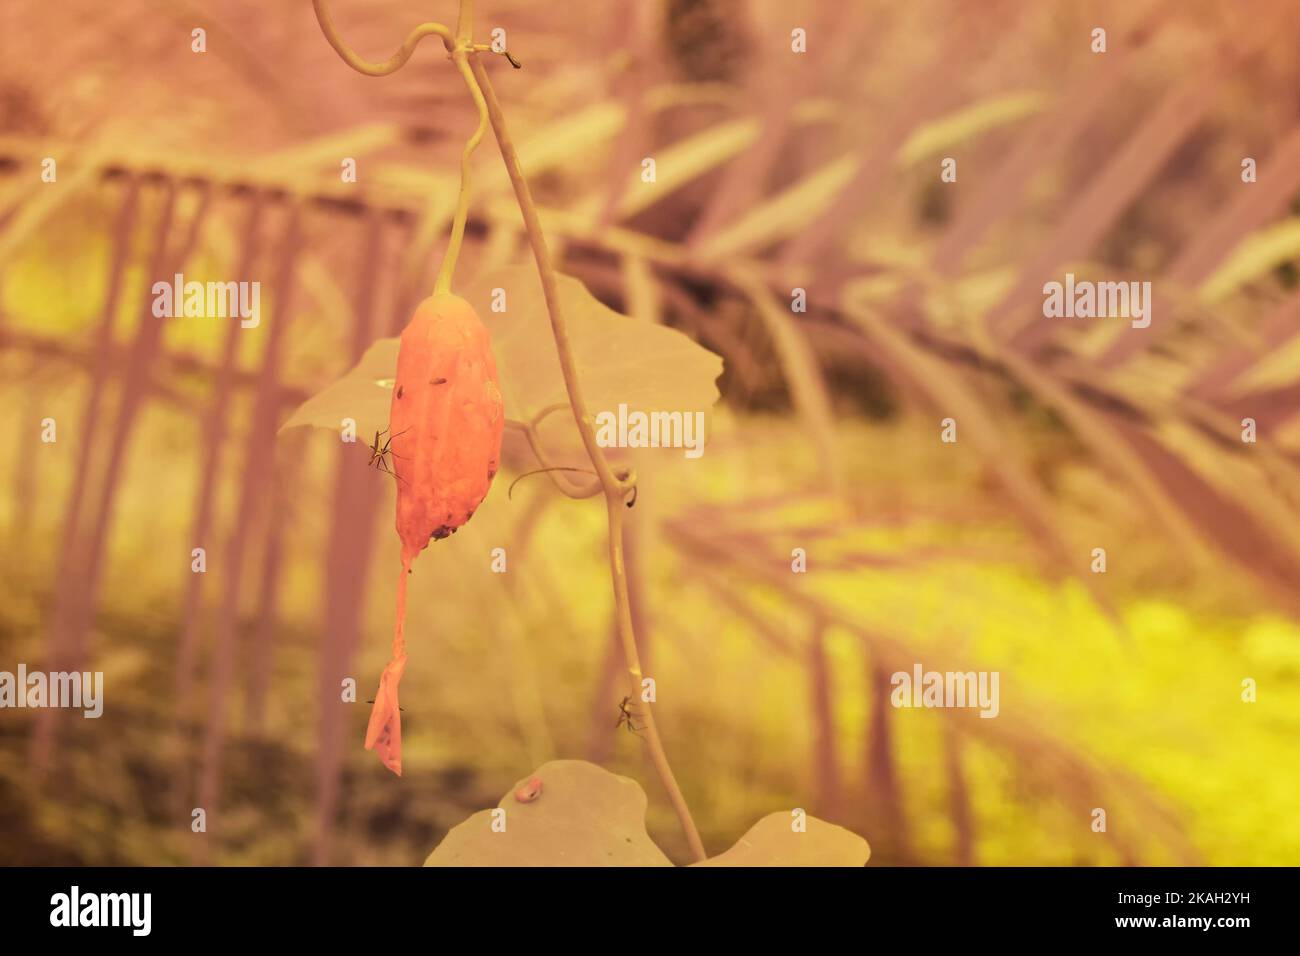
column 379, row 456
column 626, row 716
column 402, row 709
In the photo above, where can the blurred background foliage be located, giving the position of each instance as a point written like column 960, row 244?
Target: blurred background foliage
column 775, row 170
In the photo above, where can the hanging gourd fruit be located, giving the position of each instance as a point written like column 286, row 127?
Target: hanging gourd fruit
column 446, row 421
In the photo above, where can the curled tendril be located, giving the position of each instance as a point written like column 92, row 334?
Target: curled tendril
column 398, row 59
column 394, row 62
column 538, row 471
column 459, row 47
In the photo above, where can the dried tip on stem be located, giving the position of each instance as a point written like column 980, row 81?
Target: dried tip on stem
column 488, row 48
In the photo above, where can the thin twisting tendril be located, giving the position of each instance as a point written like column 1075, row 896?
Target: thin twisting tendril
column 537, row 471
column 459, row 48
column 394, row 62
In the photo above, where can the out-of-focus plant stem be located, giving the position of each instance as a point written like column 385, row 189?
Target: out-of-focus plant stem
column 616, row 487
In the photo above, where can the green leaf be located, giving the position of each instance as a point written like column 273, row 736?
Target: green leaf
column 584, row 816
column 620, row 360
column 772, row 842
column 364, row 394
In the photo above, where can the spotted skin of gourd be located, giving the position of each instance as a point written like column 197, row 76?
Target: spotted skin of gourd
column 446, row 420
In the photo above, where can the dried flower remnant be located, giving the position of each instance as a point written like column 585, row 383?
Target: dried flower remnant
column 446, row 420
column 529, row 791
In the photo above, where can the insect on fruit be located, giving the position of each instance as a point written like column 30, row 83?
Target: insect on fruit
column 625, row 716
column 379, row 456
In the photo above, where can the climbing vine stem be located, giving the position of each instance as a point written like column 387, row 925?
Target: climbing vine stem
column 616, row 486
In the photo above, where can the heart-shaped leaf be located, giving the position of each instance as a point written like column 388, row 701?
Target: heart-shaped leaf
column 620, row 360
column 567, row 813
column 773, row 841
column 364, row 394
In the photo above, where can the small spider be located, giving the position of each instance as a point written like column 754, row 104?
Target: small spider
column 625, row 716
column 379, row 455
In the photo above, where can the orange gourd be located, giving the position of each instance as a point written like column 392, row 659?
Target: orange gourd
column 445, row 421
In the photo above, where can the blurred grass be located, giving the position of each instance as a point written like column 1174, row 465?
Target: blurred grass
column 1164, row 706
